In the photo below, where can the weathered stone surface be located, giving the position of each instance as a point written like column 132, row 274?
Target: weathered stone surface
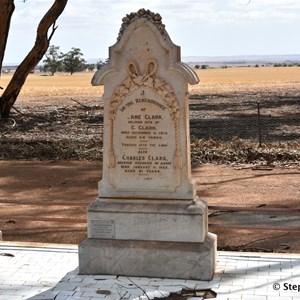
column 146, row 124
column 147, row 220
column 150, row 259
column 155, row 220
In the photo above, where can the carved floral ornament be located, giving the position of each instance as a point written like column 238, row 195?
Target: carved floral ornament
column 136, row 80
column 154, row 18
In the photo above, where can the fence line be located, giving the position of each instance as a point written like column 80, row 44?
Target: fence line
column 251, row 122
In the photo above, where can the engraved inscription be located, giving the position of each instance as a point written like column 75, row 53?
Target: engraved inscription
column 144, row 149
column 102, row 229
column 145, row 144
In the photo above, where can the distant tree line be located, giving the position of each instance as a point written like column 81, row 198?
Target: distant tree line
column 276, row 65
column 287, row 65
column 70, row 62
column 203, row 67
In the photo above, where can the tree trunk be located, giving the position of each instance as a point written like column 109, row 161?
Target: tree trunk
column 40, row 47
column 6, row 10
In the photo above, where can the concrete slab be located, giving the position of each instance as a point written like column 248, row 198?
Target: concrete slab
column 149, row 258
column 48, row 271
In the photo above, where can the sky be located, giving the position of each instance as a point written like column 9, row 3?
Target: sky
column 199, row 27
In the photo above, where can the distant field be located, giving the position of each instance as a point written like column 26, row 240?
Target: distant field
column 249, row 80
column 80, row 83
column 57, row 85
column 246, row 74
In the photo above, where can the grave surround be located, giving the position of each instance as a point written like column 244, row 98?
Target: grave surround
column 147, row 210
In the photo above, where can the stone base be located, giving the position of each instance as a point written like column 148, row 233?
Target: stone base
column 149, row 258
column 145, row 220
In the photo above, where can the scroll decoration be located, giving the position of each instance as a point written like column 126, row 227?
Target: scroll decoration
column 134, row 81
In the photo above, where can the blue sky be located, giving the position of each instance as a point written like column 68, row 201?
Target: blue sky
column 200, row 27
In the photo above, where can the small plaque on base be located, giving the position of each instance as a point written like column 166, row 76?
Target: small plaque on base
column 104, row 229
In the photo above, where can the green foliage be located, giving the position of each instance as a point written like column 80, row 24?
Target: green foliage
column 290, row 64
column 202, row 67
column 101, row 63
column 90, row 67
column 73, row 61
column 53, row 60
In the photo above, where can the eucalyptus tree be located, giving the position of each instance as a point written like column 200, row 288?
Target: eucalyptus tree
column 73, row 61
column 45, row 31
column 53, row 60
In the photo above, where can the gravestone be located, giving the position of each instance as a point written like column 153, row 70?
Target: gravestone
column 147, row 219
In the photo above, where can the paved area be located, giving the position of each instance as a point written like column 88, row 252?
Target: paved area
column 39, row 271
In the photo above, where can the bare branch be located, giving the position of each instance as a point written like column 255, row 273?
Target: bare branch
column 145, row 293
column 52, row 32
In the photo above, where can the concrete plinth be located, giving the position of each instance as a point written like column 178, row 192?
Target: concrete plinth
column 157, row 238
column 149, row 258
column 155, row 220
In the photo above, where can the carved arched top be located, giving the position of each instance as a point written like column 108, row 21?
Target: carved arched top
column 142, row 13
column 153, row 22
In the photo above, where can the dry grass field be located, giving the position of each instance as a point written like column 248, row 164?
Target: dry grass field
column 244, row 79
column 219, row 80
column 41, row 85
column 250, row 75
column 57, row 127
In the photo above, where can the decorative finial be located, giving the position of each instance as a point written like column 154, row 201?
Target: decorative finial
column 154, row 18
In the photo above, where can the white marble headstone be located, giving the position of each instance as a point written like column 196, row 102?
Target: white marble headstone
column 147, row 220
column 146, row 116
